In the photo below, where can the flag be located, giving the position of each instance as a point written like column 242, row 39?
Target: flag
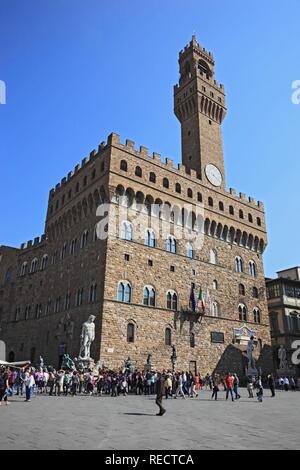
column 193, row 301
column 201, row 300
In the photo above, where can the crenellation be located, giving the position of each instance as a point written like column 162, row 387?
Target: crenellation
column 113, row 139
column 181, row 168
column 144, row 151
column 57, row 187
column 130, row 144
column 63, row 181
column 156, row 157
column 169, row 163
column 93, row 154
column 84, row 161
column 242, row 197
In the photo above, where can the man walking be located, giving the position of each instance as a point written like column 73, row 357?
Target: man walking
column 272, row 384
column 229, row 386
column 160, row 387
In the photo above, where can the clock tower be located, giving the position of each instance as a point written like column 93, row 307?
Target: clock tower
column 200, row 106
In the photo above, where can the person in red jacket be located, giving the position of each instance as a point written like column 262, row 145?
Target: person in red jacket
column 229, row 386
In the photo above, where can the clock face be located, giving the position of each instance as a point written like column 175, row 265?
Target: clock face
column 213, row 175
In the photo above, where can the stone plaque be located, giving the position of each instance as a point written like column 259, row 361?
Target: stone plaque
column 217, row 337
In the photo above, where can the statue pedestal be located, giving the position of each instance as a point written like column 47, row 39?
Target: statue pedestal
column 286, row 372
column 87, row 363
column 148, row 367
column 250, row 371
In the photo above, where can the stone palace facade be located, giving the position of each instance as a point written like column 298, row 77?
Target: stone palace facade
column 139, row 287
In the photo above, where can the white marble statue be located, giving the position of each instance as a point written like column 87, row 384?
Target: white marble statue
column 250, row 351
column 87, row 337
column 282, row 357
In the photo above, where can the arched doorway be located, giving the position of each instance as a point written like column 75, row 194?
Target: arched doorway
column 32, row 355
column 11, row 357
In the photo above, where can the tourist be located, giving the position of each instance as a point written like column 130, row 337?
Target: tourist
column 236, row 383
column 29, row 384
column 260, row 390
column 159, row 394
column 4, row 385
column 51, row 382
column 180, row 390
column 286, row 384
column 293, row 384
column 250, row 387
column 168, row 386
column 229, row 386
column 271, row 383
column 20, row 382
column 74, row 383
column 59, row 382
column 215, row 388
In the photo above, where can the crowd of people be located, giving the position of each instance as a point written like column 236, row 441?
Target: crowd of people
column 29, row 381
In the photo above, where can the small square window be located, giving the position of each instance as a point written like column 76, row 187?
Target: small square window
column 127, row 257
column 150, row 262
column 172, row 269
column 193, row 272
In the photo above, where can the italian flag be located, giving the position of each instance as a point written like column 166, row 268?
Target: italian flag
column 201, row 300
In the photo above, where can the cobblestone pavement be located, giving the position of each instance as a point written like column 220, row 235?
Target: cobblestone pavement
column 128, row 423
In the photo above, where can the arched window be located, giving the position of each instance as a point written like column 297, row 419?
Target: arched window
column 150, row 238
column 242, row 312
column 250, row 218
column 242, row 290
column 152, row 177
column 178, row 188
column 126, row 231
column 166, row 183
column 93, row 292
column 172, row 300
column 215, row 310
column 23, row 268
column 77, row 187
column 123, row 165
column 258, row 221
column 138, row 172
column 221, row 206
column 84, row 239
column 210, row 202
column 215, row 285
column 124, row 292
column 192, row 340
column 33, row 267
column 63, row 251
column 252, row 269
column 255, row 293
column 241, row 214
column 256, row 315
column 190, row 250
column 239, row 265
column 149, row 296
column 171, row 244
column 44, row 262
column 231, row 210
column 199, row 197
column 130, row 332
column 213, row 257
column 189, row 192
column 93, row 174
column 73, row 246
column 168, row 337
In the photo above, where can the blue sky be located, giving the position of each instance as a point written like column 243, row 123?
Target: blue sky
column 77, row 70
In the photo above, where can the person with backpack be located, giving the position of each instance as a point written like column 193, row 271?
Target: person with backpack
column 260, row 390
column 215, row 389
column 236, row 384
column 4, row 385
